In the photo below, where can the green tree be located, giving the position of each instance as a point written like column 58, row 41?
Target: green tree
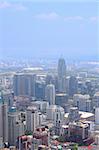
column 75, row 147
column 28, row 132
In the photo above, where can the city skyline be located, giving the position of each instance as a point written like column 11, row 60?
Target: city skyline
column 49, row 74
column 49, row 29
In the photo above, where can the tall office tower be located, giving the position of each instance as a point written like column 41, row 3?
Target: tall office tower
column 67, row 84
column 3, row 119
column 61, row 99
column 50, row 94
column 15, row 126
column 56, row 83
column 32, row 118
column 40, row 90
column 72, row 86
column 24, row 84
column 61, row 75
column 49, row 79
column 89, row 87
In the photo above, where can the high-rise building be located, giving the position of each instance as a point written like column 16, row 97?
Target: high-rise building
column 56, row 114
column 49, row 79
column 61, row 75
column 74, row 114
column 15, row 126
column 41, row 105
column 50, row 94
column 95, row 101
column 24, row 84
column 40, row 90
column 3, row 119
column 83, row 102
column 61, row 99
column 9, row 97
column 52, row 79
column 32, row 118
column 72, row 86
column 97, row 116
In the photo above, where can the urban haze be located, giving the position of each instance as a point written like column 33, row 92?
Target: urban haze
column 49, row 75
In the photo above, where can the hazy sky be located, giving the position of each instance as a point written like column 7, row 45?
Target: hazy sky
column 49, row 29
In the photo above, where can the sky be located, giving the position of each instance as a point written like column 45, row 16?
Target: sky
column 49, row 29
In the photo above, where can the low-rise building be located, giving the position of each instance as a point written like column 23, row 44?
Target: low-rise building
column 78, row 131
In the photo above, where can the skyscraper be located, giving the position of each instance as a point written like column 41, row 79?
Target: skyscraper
column 24, row 84
column 61, row 75
column 50, row 94
column 15, row 126
column 72, row 86
column 32, row 118
column 3, row 119
column 40, row 90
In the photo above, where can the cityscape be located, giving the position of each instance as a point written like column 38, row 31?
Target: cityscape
column 49, row 75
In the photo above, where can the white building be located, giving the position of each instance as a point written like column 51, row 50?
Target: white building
column 97, row 140
column 97, row 116
column 41, row 105
column 83, row 102
column 95, row 101
column 33, row 118
column 50, row 94
column 55, row 113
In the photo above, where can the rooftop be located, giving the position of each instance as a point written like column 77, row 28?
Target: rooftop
column 61, row 94
column 86, row 96
column 83, row 114
column 97, row 94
